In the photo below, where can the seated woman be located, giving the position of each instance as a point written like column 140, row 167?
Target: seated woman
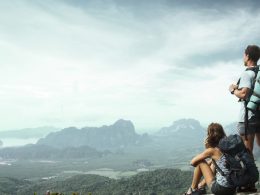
column 217, row 183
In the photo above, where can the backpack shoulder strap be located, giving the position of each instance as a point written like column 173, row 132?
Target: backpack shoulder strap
column 255, row 69
column 218, row 168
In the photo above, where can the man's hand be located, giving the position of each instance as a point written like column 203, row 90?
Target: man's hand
column 232, row 88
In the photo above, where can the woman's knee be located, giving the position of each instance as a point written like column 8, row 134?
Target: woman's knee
column 202, row 162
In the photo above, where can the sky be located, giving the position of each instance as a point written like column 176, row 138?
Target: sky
column 89, row 63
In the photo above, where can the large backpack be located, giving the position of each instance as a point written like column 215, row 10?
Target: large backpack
column 239, row 162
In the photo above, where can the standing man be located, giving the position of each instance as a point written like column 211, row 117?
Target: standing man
column 249, row 122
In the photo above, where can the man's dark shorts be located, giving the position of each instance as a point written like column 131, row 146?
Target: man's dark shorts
column 253, row 126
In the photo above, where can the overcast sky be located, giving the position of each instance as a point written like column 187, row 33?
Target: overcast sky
column 90, row 63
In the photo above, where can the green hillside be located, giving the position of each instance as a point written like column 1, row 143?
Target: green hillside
column 161, row 181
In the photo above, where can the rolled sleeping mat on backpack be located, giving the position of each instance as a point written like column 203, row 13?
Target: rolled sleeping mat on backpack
column 254, row 100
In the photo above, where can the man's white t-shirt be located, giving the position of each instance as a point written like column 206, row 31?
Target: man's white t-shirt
column 246, row 80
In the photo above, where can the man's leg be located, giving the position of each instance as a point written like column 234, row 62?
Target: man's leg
column 257, row 135
column 249, row 143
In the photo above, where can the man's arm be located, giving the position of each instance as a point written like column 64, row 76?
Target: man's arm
column 243, row 90
column 240, row 93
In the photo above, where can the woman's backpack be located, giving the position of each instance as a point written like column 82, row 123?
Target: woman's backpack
column 239, row 162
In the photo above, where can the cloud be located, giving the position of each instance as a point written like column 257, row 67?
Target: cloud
column 92, row 62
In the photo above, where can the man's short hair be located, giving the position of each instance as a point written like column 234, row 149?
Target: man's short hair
column 253, row 52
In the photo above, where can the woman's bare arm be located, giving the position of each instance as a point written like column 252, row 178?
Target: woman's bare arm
column 202, row 156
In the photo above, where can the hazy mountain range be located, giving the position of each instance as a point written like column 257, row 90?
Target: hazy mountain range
column 96, row 141
column 182, row 134
column 38, row 132
column 118, row 135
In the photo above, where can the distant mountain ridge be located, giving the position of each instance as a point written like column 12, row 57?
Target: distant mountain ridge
column 231, row 128
column 36, row 152
column 38, row 132
column 122, row 134
column 183, row 133
column 118, row 135
column 182, row 126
